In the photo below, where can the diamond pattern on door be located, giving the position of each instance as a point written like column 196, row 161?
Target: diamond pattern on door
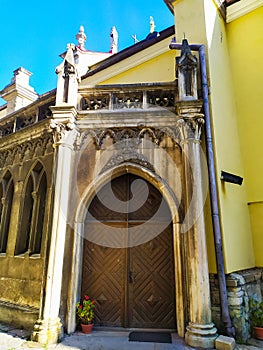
column 134, row 286
column 152, row 293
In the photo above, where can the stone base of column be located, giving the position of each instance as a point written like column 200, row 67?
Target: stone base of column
column 47, row 331
column 201, row 336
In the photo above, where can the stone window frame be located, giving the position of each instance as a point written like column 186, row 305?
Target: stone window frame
column 32, row 214
column 6, row 198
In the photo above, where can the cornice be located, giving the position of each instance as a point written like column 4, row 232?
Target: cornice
column 241, row 8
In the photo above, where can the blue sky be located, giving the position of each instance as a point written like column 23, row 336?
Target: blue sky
column 34, row 34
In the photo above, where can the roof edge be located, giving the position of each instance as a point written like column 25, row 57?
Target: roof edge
column 129, row 51
column 169, row 4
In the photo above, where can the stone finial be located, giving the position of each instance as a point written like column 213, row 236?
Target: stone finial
column 187, row 73
column 67, row 84
column 113, row 40
column 19, row 93
column 81, row 37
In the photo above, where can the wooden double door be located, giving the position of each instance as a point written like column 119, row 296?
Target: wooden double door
column 133, row 285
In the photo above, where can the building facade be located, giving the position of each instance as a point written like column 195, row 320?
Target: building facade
column 112, row 183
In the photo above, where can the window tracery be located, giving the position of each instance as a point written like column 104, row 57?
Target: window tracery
column 33, row 213
column 6, row 195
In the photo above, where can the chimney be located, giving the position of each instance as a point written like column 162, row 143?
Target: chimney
column 19, row 93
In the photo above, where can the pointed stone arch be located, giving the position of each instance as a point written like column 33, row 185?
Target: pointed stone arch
column 88, row 195
column 6, row 200
column 32, row 211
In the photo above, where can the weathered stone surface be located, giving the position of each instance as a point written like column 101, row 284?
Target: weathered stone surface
column 236, row 294
column 241, row 287
column 231, row 283
column 239, row 278
column 225, row 343
column 235, row 301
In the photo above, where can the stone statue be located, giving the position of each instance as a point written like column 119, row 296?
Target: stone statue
column 153, row 34
column 113, row 40
column 152, row 24
column 81, row 37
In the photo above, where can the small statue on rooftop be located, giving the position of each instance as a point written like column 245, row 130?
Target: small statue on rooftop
column 81, row 37
column 113, row 40
column 152, row 24
column 153, row 34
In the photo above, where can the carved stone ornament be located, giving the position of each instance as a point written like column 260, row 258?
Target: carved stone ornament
column 190, row 128
column 128, row 133
column 128, row 155
column 113, row 40
column 30, row 149
column 187, row 73
column 61, row 130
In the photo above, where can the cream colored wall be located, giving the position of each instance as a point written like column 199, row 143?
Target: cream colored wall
column 2, row 113
column 245, row 37
column 202, row 24
column 146, row 73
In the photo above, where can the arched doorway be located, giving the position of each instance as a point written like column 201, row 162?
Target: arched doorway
column 133, row 285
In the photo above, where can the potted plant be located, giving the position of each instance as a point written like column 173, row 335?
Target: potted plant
column 85, row 313
column 256, row 317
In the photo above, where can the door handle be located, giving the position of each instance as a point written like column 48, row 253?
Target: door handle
column 131, row 277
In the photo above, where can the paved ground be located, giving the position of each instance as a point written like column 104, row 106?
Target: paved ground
column 15, row 339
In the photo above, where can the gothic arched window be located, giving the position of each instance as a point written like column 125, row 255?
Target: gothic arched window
column 33, row 213
column 6, row 197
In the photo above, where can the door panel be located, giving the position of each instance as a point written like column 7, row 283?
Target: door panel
column 151, row 291
column 104, row 279
column 133, row 286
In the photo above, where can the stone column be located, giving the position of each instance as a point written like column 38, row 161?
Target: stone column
column 200, row 330
column 48, row 328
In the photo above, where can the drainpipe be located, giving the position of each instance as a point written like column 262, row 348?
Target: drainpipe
column 230, row 330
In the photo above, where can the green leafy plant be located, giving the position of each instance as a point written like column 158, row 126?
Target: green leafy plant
column 256, row 312
column 85, row 310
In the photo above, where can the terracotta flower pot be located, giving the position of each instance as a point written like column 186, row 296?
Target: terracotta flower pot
column 86, row 328
column 258, row 331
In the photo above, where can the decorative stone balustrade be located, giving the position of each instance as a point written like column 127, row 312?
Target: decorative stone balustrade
column 24, row 118
column 128, row 97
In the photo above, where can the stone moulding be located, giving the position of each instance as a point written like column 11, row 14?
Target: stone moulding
column 23, row 308
column 118, row 134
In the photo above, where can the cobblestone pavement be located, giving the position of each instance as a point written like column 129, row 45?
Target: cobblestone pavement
column 16, row 339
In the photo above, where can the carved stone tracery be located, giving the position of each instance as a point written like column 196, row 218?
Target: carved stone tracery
column 121, row 134
column 128, row 155
column 30, row 149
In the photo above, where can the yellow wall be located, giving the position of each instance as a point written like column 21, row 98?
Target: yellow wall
column 147, row 72
column 201, row 23
column 256, row 215
column 153, row 64
column 245, row 36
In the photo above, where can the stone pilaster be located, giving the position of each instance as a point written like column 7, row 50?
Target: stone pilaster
column 200, row 330
column 48, row 328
